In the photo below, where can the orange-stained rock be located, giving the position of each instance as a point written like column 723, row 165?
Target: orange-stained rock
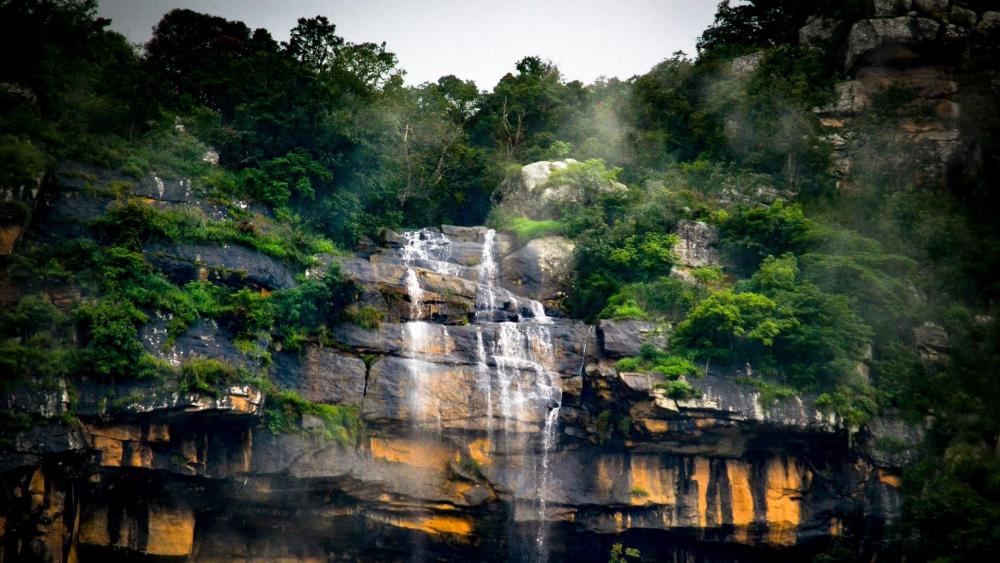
column 158, row 433
column 118, row 432
column 700, row 475
column 891, row 478
column 655, row 426
column 94, row 526
column 479, row 451
column 433, row 524
column 171, row 531
column 786, row 480
column 110, row 450
column 137, row 454
column 651, row 483
column 36, row 488
column 8, row 238
column 410, row 452
column 741, row 496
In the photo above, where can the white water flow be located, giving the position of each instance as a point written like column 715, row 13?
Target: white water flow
column 522, row 354
column 485, row 295
column 416, row 332
column 514, row 364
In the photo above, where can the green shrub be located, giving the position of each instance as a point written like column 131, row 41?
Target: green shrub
column 629, row 364
column 364, row 316
column 770, row 392
column 620, row 308
column 111, row 338
column 673, row 367
column 665, row 297
column 621, row 554
column 751, row 234
column 680, row 390
column 21, row 162
column 527, row 229
column 318, row 302
column 209, row 376
column 341, row 423
column 731, row 326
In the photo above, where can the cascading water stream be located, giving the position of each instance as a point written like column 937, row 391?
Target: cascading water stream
column 416, row 332
column 521, row 349
column 514, row 360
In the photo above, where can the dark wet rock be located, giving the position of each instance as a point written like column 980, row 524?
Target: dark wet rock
column 541, row 270
column 889, row 8
column 171, row 190
column 885, row 41
column 45, row 399
column 203, row 339
column 891, row 442
column 229, row 264
column 321, row 375
column 621, row 339
column 475, row 235
column 27, row 447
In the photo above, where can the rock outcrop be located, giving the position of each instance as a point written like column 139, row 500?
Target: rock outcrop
column 541, row 270
column 912, row 50
column 531, row 192
column 492, row 432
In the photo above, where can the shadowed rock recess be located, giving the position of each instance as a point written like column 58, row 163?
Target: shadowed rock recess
column 492, row 432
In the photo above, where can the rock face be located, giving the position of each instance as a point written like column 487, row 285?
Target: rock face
column 621, row 339
column 909, row 49
column 541, row 270
column 696, row 248
column 529, row 193
column 890, row 40
column 492, row 432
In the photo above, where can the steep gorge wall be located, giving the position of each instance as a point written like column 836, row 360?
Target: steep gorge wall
column 133, row 469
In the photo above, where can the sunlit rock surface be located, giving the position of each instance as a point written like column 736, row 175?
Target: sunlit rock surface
column 493, row 432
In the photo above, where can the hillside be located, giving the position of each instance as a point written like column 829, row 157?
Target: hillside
column 263, row 301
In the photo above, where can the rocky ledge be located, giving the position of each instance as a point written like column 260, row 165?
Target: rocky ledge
column 492, row 432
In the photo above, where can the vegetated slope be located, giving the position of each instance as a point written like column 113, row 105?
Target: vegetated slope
column 848, row 169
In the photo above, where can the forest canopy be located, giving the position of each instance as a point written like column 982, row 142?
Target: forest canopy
column 822, row 286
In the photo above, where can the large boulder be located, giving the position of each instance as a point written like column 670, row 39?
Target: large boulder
column 747, row 64
column 695, row 248
column 541, row 270
column 322, row 375
column 203, row 339
column 883, row 41
column 621, row 339
column 696, row 242
column 818, row 32
column 528, row 193
column 890, row 8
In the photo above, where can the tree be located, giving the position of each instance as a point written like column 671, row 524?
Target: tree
column 314, row 43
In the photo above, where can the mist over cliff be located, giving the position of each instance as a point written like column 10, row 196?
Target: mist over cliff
column 262, row 301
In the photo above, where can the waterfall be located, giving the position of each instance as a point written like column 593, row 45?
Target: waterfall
column 514, row 365
column 427, row 247
column 485, row 294
column 549, row 437
column 484, row 381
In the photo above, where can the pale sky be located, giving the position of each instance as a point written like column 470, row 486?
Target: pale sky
column 472, row 39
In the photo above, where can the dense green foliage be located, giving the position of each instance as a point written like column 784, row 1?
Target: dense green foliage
column 322, row 144
column 339, row 423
